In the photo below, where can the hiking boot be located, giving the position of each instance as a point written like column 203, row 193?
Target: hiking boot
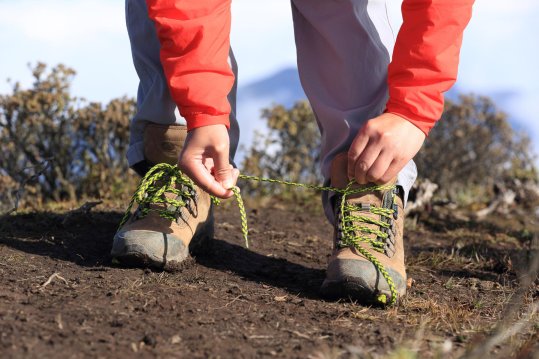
column 174, row 216
column 368, row 241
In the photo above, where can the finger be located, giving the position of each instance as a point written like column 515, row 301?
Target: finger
column 365, row 161
column 235, row 175
column 222, row 169
column 393, row 170
column 356, row 149
column 379, row 168
column 204, row 179
column 231, row 182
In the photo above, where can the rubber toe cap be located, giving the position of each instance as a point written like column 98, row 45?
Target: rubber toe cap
column 148, row 248
column 359, row 280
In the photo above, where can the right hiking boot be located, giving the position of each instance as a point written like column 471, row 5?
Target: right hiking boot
column 367, row 264
column 150, row 239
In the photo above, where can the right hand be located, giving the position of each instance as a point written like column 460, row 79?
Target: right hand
column 205, row 159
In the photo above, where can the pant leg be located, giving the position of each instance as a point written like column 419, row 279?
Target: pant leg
column 154, row 103
column 343, row 49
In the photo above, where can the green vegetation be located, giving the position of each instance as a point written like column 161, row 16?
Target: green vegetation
column 472, row 150
column 472, row 153
column 289, row 150
column 61, row 148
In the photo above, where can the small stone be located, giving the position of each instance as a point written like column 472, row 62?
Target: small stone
column 447, row 346
column 488, row 285
column 176, row 339
column 297, row 301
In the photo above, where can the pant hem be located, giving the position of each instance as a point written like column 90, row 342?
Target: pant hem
column 135, row 153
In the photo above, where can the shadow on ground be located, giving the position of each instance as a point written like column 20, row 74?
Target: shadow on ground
column 86, row 240
column 60, row 292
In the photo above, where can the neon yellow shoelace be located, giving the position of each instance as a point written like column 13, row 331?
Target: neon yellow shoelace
column 164, row 178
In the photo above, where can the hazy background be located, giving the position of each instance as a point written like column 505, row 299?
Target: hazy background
column 498, row 59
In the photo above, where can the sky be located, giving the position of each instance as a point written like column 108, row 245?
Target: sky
column 498, row 57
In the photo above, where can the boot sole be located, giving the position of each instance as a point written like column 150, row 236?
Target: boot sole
column 140, row 260
column 353, row 290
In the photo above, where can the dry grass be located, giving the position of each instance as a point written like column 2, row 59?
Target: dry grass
column 492, row 311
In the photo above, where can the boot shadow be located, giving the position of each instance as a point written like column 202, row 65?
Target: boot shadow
column 86, row 240
column 297, row 279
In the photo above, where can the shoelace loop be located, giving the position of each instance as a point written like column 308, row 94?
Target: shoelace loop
column 161, row 179
column 164, row 178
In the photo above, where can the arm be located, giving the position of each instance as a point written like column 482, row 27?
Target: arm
column 195, row 41
column 425, row 59
column 424, row 65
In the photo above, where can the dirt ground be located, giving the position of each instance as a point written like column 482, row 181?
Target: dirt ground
column 61, row 296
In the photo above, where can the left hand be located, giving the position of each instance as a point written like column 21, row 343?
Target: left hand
column 204, row 159
column 382, row 148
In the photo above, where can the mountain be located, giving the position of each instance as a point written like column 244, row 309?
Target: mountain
column 283, row 86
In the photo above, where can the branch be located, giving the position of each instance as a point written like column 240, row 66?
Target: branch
column 40, row 168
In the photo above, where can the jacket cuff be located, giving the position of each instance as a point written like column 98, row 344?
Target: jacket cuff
column 202, row 119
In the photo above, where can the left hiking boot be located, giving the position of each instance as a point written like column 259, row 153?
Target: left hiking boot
column 367, row 264
column 174, row 217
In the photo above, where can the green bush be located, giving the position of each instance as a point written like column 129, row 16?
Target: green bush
column 470, row 151
column 78, row 147
column 289, row 150
column 59, row 147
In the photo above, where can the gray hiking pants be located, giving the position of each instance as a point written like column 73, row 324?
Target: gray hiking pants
column 343, row 48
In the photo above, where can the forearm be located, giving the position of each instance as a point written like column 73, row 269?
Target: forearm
column 195, row 42
column 426, row 57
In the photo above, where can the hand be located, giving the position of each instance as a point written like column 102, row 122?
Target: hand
column 205, row 160
column 382, row 148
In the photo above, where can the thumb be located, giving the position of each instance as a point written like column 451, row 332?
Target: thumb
column 223, row 170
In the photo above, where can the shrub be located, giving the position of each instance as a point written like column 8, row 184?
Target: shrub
column 82, row 144
column 288, row 150
column 472, row 151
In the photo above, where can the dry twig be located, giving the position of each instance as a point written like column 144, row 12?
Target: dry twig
column 54, row 275
column 39, row 169
column 509, row 327
column 84, row 209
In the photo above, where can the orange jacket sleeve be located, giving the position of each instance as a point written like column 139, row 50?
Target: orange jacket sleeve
column 195, row 42
column 425, row 59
